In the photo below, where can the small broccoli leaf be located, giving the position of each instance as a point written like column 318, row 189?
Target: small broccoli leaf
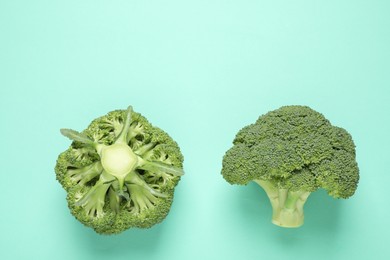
column 76, row 136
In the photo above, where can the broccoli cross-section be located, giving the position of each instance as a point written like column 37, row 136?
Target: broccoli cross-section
column 291, row 152
column 120, row 172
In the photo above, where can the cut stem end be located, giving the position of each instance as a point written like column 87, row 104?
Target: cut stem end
column 287, row 218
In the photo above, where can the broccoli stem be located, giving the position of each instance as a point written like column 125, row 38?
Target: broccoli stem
column 134, row 178
column 83, row 175
column 114, row 200
column 287, row 206
column 122, row 138
column 141, row 197
column 160, row 166
column 94, row 200
column 76, row 136
column 145, row 148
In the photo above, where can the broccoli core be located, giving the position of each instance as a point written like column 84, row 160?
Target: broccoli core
column 118, row 160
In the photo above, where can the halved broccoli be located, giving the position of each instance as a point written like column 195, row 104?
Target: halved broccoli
column 291, row 152
column 120, row 172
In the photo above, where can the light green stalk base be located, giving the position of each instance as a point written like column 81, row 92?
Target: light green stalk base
column 287, row 206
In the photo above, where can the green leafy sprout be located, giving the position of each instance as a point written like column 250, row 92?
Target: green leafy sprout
column 291, row 152
column 120, row 172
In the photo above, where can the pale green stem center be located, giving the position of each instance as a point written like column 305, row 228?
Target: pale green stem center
column 287, row 206
column 118, row 160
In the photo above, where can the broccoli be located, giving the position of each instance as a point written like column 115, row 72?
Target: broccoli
column 291, row 152
column 120, row 172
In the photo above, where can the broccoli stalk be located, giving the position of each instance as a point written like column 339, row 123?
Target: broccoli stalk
column 117, row 160
column 287, row 206
column 84, row 175
column 93, row 200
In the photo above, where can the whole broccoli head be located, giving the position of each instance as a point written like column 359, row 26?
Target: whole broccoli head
column 291, row 152
column 120, row 172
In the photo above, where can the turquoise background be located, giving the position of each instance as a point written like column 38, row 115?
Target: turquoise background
column 200, row 70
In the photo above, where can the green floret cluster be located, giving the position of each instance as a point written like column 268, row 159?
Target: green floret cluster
column 120, row 172
column 291, row 152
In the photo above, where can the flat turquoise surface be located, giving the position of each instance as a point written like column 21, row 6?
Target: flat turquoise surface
column 200, row 70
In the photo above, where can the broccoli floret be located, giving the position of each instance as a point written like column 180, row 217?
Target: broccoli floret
column 291, row 152
column 120, row 172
